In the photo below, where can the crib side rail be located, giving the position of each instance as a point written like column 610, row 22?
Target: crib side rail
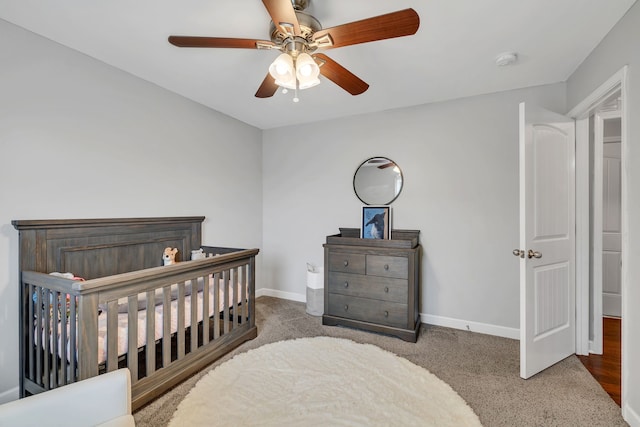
column 217, row 250
column 150, row 277
column 49, row 363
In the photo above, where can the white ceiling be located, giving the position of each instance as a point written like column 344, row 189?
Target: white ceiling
column 451, row 56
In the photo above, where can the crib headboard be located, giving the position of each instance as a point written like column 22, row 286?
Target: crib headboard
column 92, row 248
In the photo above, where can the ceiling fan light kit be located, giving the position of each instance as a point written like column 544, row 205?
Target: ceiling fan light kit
column 299, row 36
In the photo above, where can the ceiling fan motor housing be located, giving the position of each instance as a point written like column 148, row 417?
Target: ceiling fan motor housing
column 308, row 26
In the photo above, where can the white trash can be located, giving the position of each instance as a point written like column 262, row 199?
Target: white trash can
column 315, row 290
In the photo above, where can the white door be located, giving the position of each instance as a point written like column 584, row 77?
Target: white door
column 547, row 239
column 611, row 226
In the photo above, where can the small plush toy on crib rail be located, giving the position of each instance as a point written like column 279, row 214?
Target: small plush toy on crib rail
column 169, row 256
column 198, row 254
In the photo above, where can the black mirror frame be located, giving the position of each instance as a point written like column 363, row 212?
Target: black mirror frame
column 365, row 162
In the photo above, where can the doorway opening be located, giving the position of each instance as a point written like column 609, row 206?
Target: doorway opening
column 602, row 224
column 605, row 257
column 609, row 252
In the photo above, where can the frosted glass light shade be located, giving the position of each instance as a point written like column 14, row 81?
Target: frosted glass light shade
column 307, row 71
column 283, row 72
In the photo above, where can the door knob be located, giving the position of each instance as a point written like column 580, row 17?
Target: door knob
column 518, row 252
column 534, row 254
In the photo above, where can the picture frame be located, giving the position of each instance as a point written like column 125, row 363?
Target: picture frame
column 376, row 222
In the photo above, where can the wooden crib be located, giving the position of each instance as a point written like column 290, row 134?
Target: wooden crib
column 74, row 329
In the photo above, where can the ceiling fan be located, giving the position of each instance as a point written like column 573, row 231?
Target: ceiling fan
column 300, row 38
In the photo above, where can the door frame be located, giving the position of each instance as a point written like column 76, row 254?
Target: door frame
column 581, row 113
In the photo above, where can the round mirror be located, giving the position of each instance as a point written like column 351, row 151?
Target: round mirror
column 377, row 181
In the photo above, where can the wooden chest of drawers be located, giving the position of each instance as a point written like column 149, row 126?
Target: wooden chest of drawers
column 373, row 284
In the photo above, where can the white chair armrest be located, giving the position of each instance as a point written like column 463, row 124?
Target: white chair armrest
column 90, row 402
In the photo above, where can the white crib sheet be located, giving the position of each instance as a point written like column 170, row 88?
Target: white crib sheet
column 233, row 299
column 123, row 321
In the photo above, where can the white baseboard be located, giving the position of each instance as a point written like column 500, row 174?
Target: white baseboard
column 281, row 294
column 9, row 395
column 466, row 325
column 631, row 416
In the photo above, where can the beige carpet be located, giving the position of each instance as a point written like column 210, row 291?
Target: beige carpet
column 482, row 369
column 321, row 381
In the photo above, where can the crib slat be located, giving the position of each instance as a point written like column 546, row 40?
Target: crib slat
column 180, row 314
column 47, row 335
column 166, row 326
column 234, row 296
column 241, row 295
column 239, row 304
column 55, row 325
column 63, row 340
column 243, row 283
column 29, row 329
column 216, row 305
column 39, row 330
column 112, row 335
column 194, row 314
column 252, row 290
column 205, row 309
column 132, row 336
column 151, row 333
column 73, row 319
column 225, row 298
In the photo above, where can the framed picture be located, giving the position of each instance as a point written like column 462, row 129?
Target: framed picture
column 376, row 222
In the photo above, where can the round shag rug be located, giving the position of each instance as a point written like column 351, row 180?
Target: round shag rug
column 321, row 381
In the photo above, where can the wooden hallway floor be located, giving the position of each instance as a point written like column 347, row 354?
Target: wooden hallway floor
column 606, row 368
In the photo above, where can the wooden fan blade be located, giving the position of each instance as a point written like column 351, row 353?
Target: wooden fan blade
column 395, row 24
column 283, row 16
column 268, row 87
column 340, row 75
column 190, row 41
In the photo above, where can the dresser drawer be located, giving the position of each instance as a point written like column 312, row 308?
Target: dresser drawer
column 368, row 310
column 372, row 287
column 347, row 263
column 388, row 266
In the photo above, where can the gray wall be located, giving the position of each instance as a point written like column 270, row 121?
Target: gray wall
column 460, row 165
column 80, row 139
column 620, row 48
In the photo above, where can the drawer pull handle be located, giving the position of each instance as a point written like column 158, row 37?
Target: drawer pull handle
column 386, row 266
column 346, row 307
column 346, row 284
column 346, row 263
column 386, row 314
column 386, row 289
